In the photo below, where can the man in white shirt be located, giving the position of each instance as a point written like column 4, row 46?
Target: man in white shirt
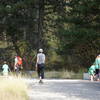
column 40, row 63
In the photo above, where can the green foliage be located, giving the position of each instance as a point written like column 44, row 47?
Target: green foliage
column 68, row 31
column 79, row 33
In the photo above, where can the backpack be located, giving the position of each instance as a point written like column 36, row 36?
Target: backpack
column 19, row 60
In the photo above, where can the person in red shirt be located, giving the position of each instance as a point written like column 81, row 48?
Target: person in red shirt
column 18, row 63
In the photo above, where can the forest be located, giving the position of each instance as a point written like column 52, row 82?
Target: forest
column 67, row 30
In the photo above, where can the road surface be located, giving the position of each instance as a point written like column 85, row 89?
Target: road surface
column 53, row 89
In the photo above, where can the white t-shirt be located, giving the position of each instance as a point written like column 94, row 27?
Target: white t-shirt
column 40, row 58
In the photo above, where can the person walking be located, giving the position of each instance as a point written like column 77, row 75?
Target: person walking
column 17, row 64
column 97, row 65
column 91, row 72
column 5, row 68
column 40, row 64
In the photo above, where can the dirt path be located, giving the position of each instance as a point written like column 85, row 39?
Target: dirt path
column 64, row 90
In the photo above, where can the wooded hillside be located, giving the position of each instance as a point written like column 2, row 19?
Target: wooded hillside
column 67, row 30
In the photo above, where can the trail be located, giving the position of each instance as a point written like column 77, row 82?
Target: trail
column 53, row 89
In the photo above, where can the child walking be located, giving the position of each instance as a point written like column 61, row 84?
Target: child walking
column 92, row 72
column 5, row 68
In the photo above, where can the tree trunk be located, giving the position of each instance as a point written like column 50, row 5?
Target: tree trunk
column 15, row 46
column 39, row 22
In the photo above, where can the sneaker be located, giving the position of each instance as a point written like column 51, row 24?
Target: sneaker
column 40, row 81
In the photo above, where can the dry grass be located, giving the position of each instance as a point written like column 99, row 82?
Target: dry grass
column 63, row 74
column 13, row 89
column 58, row 74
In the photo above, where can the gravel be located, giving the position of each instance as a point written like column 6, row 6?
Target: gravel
column 59, row 89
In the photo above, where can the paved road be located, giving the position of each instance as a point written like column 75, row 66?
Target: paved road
column 64, row 90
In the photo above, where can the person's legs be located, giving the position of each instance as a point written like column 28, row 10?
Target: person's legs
column 41, row 72
column 92, row 77
column 40, row 75
column 17, row 70
column 97, row 74
column 38, row 70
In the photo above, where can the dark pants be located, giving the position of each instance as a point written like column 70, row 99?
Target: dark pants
column 40, row 70
column 97, row 72
column 18, row 69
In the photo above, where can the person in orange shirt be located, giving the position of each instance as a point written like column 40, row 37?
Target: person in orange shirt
column 18, row 63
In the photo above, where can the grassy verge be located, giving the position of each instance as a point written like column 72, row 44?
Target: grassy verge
column 57, row 74
column 64, row 75
column 13, row 89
